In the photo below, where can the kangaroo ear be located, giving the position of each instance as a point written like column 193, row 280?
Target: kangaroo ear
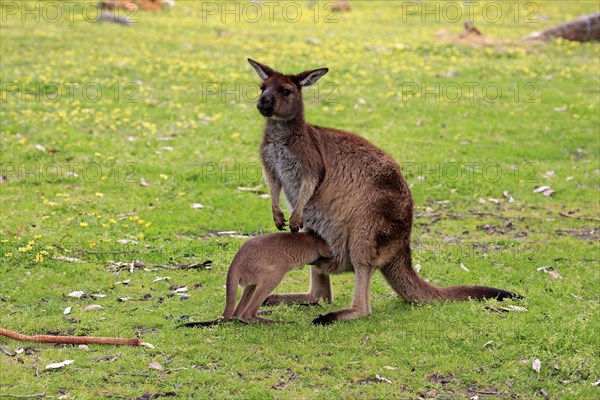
column 262, row 70
column 308, row 78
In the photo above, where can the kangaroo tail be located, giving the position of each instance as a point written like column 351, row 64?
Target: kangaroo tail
column 407, row 284
column 456, row 293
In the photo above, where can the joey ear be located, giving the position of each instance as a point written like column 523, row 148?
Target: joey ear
column 263, row 71
column 308, row 78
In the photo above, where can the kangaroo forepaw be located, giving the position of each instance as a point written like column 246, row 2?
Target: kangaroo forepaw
column 295, row 223
column 280, row 221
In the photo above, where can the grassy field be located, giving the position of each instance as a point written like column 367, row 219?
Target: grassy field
column 110, row 134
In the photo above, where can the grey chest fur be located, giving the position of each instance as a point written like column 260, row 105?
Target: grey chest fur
column 287, row 168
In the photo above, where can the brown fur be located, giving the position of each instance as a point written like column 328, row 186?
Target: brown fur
column 132, row 5
column 259, row 266
column 341, row 5
column 350, row 193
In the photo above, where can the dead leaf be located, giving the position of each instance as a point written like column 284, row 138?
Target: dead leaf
column 555, row 274
column 492, row 200
column 125, row 282
column 93, row 307
column 463, row 267
column 143, row 182
column 508, row 196
column 197, row 206
column 156, row 366
column 41, row 148
column 123, row 299
column 126, row 241
column 181, row 290
column 556, row 365
column 540, row 189
column 596, row 383
column 256, row 189
column 550, row 271
column 78, row 294
column 67, row 259
column 382, row 379
column 67, row 311
column 83, row 347
column 389, row 368
column 59, row 365
column 536, row 365
column 161, row 278
column 516, row 308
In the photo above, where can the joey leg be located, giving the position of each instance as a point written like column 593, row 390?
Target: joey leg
column 320, row 288
column 263, row 289
column 244, row 300
column 361, row 302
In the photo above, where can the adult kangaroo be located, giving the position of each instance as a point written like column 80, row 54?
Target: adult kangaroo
column 347, row 191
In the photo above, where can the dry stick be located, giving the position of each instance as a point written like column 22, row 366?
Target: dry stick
column 82, row 251
column 23, row 396
column 563, row 214
column 72, row 339
column 139, row 264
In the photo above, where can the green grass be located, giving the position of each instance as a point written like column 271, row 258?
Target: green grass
column 456, row 156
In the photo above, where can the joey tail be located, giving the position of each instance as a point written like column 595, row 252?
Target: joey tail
column 407, row 284
column 231, row 293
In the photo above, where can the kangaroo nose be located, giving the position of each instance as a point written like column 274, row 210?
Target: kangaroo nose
column 264, row 100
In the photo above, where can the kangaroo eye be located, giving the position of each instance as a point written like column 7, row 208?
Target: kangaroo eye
column 285, row 92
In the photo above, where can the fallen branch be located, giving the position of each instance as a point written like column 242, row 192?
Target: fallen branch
column 563, row 214
column 23, row 396
column 83, row 251
column 72, row 339
column 121, row 266
column 474, row 214
column 7, row 352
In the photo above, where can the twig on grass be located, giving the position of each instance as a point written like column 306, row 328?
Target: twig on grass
column 576, row 216
column 23, row 396
column 7, row 351
column 73, row 339
column 116, row 266
column 474, row 214
column 83, row 251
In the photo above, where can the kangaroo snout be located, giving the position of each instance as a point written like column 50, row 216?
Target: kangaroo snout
column 265, row 106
